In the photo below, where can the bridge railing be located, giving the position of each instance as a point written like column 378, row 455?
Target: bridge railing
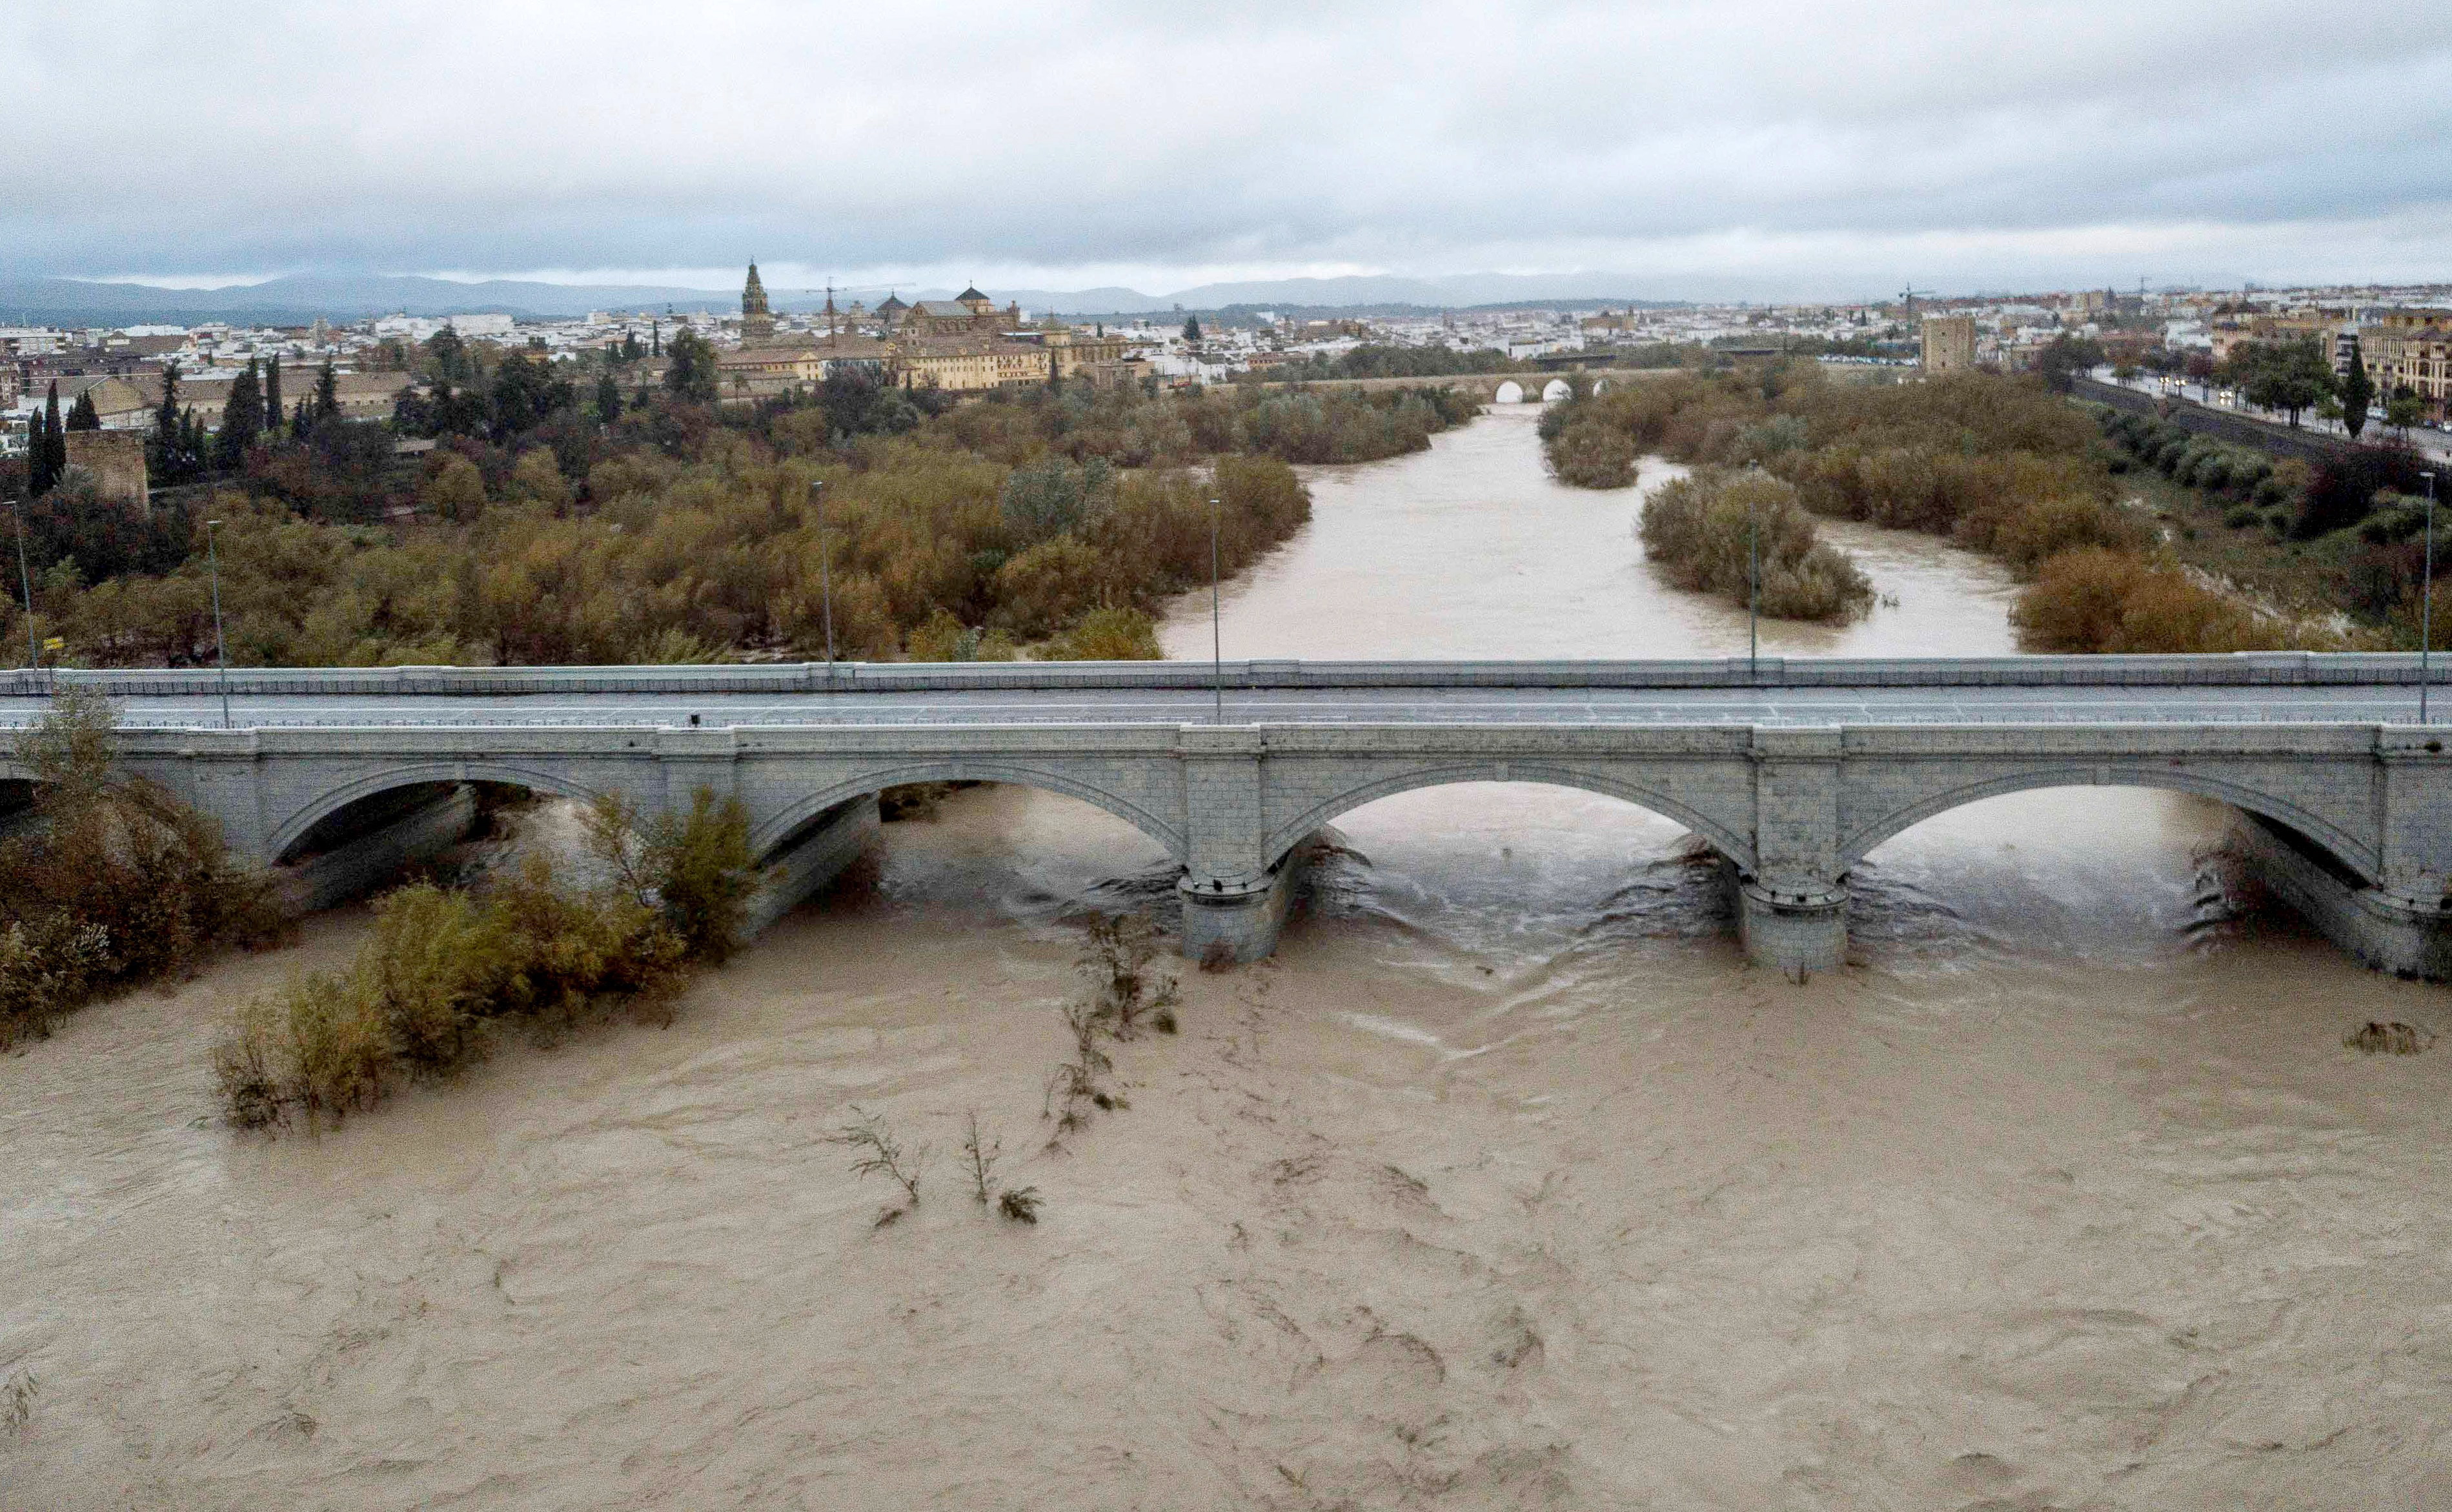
column 2276, row 669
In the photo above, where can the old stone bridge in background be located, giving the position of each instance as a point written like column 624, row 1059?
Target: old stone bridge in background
column 1792, row 770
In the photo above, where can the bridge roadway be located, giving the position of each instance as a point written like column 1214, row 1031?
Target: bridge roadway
column 2289, row 688
column 1769, row 708
column 1792, row 770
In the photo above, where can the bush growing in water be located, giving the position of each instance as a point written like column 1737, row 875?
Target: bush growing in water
column 114, row 881
column 1698, row 530
column 444, row 969
column 1590, row 455
column 2000, row 466
column 693, row 869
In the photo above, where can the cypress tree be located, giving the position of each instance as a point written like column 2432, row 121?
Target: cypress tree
column 191, row 445
column 166, row 419
column 272, row 413
column 2358, row 392
column 327, row 393
column 38, row 457
column 242, row 420
column 55, row 437
column 608, row 399
column 82, row 415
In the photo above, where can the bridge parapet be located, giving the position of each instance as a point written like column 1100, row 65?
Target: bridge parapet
column 2244, row 668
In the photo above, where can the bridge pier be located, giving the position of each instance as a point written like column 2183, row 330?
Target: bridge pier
column 2409, row 938
column 804, row 866
column 1239, row 919
column 1791, row 931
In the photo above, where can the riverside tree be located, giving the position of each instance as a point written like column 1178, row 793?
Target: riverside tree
column 115, row 882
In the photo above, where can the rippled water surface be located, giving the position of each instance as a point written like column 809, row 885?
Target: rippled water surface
column 1505, row 1185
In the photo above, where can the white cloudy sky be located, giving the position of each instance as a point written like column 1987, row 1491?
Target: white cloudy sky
column 1809, row 147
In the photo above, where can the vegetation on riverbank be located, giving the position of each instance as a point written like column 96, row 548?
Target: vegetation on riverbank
column 548, row 527
column 1998, row 465
column 2337, row 538
column 108, row 881
column 446, row 970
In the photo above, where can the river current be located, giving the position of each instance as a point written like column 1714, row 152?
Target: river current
column 1505, row 1183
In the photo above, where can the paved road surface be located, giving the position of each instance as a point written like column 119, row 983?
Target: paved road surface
column 2336, row 704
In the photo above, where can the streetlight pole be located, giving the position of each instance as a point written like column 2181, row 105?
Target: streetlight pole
column 1753, row 593
column 825, row 569
column 1217, row 635
column 26, row 580
column 221, row 647
column 2426, row 603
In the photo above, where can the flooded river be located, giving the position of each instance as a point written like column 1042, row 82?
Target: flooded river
column 1506, row 1184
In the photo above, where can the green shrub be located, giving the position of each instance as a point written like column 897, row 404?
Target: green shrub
column 1709, row 532
column 2095, row 600
column 692, row 870
column 1107, row 635
column 1588, row 454
column 442, row 970
column 113, row 881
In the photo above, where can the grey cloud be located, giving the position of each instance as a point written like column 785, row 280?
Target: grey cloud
column 2035, row 140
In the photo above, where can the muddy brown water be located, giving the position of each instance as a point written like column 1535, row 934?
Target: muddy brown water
column 1505, row 1185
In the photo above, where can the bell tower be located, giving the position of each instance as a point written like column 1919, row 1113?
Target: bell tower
column 756, row 320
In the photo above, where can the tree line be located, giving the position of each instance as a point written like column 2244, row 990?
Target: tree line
column 1999, row 464
column 578, row 512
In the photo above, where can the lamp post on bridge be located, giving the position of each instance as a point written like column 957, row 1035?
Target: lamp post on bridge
column 26, row 580
column 825, row 564
column 1753, row 595
column 2426, row 604
column 1216, row 636
column 221, row 649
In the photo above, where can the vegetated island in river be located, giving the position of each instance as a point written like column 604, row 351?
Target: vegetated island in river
column 568, row 516
column 2010, row 467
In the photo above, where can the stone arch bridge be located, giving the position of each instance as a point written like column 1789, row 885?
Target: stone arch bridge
column 1791, row 770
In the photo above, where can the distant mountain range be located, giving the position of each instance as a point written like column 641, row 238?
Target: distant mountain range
column 298, row 299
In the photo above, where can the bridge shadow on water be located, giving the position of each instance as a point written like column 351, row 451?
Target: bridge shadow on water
column 2121, row 876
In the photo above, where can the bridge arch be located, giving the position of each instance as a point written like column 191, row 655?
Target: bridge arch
column 1600, row 385
column 1555, row 389
column 2356, row 854
column 1736, row 847
column 770, row 833
column 1509, row 392
column 19, row 794
column 295, row 827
